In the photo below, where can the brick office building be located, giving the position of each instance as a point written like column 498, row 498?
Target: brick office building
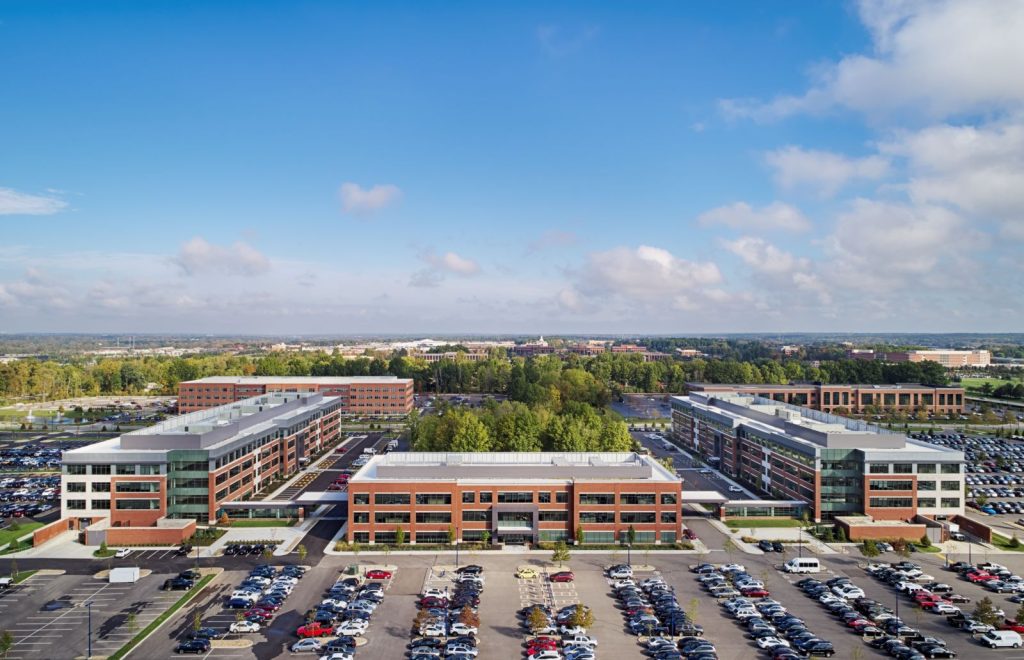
column 851, row 399
column 838, row 466
column 185, row 468
column 518, row 497
column 359, row 395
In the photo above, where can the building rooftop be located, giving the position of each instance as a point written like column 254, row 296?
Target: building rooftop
column 298, row 380
column 513, row 467
column 760, row 387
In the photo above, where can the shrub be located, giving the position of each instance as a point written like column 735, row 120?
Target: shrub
column 1014, row 542
column 925, row 542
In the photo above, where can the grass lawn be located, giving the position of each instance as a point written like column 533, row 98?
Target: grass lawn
column 270, row 522
column 145, row 632
column 1001, row 541
column 23, row 575
column 761, row 522
column 7, row 535
column 103, row 554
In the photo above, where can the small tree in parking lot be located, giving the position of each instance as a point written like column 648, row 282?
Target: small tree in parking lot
column 1019, row 616
column 422, row 619
column 302, row 552
column 692, row 609
column 561, row 553
column 582, row 617
column 197, row 620
column 580, row 535
column 869, row 548
column 468, row 617
column 451, row 534
column 631, row 535
column 537, row 619
column 6, row 642
column 131, row 623
column 986, row 612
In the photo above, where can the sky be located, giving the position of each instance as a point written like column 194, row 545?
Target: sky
column 511, row 167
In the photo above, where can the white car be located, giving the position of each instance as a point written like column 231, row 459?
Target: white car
column 336, row 603
column 621, row 573
column 545, row 655
column 306, row 645
column 353, row 628
column 122, row 553
column 620, row 584
column 771, row 642
column 464, row 649
column 571, row 630
column 429, row 630
column 337, row 656
column 735, row 489
column 945, row 608
column 578, row 640
column 434, row 593
column 462, row 629
column 244, row 627
column 738, row 568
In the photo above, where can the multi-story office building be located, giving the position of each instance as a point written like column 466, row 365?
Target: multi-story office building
column 948, row 358
column 838, row 466
column 516, row 497
column 186, row 467
column 851, row 399
column 358, row 395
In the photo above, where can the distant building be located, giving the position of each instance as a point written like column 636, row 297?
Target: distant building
column 853, row 399
column 359, row 395
column 865, row 354
column 838, row 466
column 529, row 349
column 628, row 348
column 790, row 349
column 688, row 353
column 654, row 356
column 948, row 358
column 452, row 356
column 588, row 349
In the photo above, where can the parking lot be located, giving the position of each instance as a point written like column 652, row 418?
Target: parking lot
column 47, row 617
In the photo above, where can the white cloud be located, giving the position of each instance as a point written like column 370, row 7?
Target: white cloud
column 935, row 58
column 198, row 256
column 762, row 256
column 13, row 202
column 439, row 265
column 556, row 41
column 824, row 171
column 363, row 201
column 741, row 215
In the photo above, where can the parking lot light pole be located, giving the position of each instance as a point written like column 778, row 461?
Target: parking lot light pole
column 88, row 607
column 629, row 560
column 456, row 546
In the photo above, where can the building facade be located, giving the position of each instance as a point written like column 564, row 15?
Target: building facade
column 851, row 399
column 948, row 358
column 358, row 395
column 187, row 466
column 838, row 466
column 515, row 497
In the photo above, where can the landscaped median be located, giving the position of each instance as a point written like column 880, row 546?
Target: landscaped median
column 208, row 576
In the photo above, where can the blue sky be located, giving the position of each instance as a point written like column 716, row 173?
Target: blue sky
column 313, row 167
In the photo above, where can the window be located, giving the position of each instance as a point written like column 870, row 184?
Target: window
column 926, row 468
column 101, row 469
column 562, row 497
column 486, row 497
column 433, row 498
column 925, row 485
column 360, row 498
column 514, row 497
column 926, row 502
column 361, row 517
column 553, row 516
column 544, row 497
column 668, row 516
column 384, row 537
column 101, row 504
column 476, row 516
column 391, row 517
column 100, row 486
column 433, row 517
column 74, row 469
column 668, row 537
column 391, row 498
column 125, row 469
column 138, row 505
column 891, row 484
column 76, row 505
column 903, row 468
column 75, row 487
column 441, row 537
column 878, row 468
column 950, row 502
column 468, row 497
column 636, row 498
column 891, row 502
column 138, row 487
column 602, row 517
column 951, row 485
column 149, row 469
column 669, row 498
column 636, row 516
column 597, row 498
column 950, row 468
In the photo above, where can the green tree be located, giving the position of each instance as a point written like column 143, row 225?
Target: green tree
column 6, row 642
column 197, row 620
column 869, row 548
column 581, row 535
column 485, row 537
column 451, row 534
column 468, row 433
column 131, row 623
column 1014, row 542
column 399, row 535
column 538, row 620
column 561, row 553
column 986, row 612
column 302, row 552
column 925, row 542
column 582, row 617
column 631, row 535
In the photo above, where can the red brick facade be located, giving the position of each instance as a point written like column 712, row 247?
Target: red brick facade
column 371, row 397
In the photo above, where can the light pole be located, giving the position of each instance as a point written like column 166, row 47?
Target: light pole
column 88, row 607
column 457, row 546
column 629, row 561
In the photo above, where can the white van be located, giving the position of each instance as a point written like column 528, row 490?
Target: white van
column 370, row 450
column 1001, row 638
column 802, row 565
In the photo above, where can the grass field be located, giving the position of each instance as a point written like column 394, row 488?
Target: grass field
column 761, row 522
column 8, row 535
column 975, row 383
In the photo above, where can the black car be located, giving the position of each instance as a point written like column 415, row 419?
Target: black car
column 231, row 550
column 819, row 648
column 206, row 633
column 935, row 651
column 765, row 546
column 189, row 574
column 183, row 550
column 177, row 584
column 778, row 547
column 472, row 569
column 197, row 646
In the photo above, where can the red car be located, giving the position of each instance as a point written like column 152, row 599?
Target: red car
column 755, row 592
column 1012, row 625
column 378, row 574
column 562, row 576
column 314, row 629
column 541, row 644
column 980, row 576
column 689, row 535
column 259, row 613
column 336, row 486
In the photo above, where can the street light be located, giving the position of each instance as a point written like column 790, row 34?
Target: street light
column 88, row 607
column 456, row 546
column 629, row 560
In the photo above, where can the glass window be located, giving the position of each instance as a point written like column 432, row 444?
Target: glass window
column 476, row 516
column 361, row 537
column 668, row 537
column 636, row 498
column 432, row 517
column 433, row 498
column 391, row 517
column 597, row 498
column 76, row 505
column 891, row 484
column 149, row 469
column 360, row 498
column 75, row 487
column 636, row 517
column 950, row 468
column 101, row 469
column 361, row 517
column 141, row 505
column 878, row 468
column 138, row 487
column 951, row 485
column 926, row 485
column 562, row 497
column 74, row 469
column 926, row 502
column 391, row 498
column 668, row 516
column 903, row 468
column 926, row 468
column 950, row 502
column 553, row 516
column 441, row 538
column 891, row 502
column 101, row 504
column 100, row 487
column 126, row 469
column 602, row 517
column 669, row 498
column 514, row 497
column 468, row 497
column 486, row 497
column 544, row 497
